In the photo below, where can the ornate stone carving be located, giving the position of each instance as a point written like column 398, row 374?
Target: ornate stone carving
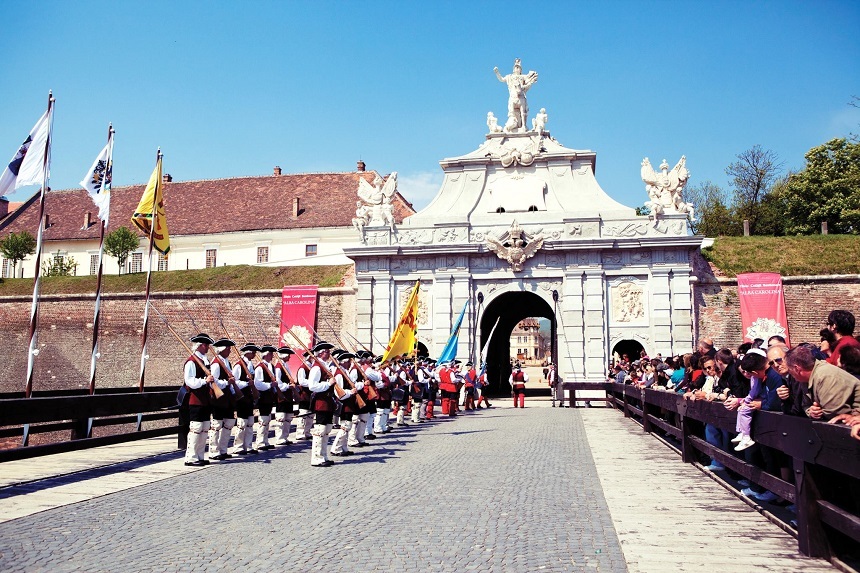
column 374, row 209
column 415, row 237
column 518, row 108
column 555, row 260
column 640, row 257
column 665, row 188
column 377, row 238
column 539, row 121
column 515, row 246
column 612, row 258
column 493, row 123
column 451, row 235
column 403, row 296
column 628, row 302
column 625, row 229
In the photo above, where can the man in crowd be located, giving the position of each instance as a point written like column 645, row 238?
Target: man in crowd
column 834, row 391
column 841, row 323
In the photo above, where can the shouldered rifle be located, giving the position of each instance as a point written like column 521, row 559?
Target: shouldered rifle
column 212, row 385
column 344, row 374
column 372, row 394
column 254, row 392
column 337, row 389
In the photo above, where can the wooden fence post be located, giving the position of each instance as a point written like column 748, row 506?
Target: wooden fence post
column 811, row 537
column 646, row 424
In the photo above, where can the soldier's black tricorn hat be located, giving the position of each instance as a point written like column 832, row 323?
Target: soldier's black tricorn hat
column 250, row 347
column 337, row 352
column 224, row 343
column 268, row 348
column 323, row 346
column 285, row 350
column 378, row 359
column 469, row 363
column 202, row 339
column 346, row 355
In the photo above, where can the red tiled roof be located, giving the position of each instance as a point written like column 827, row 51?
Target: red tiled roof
column 247, row 204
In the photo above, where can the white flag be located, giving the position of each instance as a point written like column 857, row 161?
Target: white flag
column 97, row 182
column 28, row 164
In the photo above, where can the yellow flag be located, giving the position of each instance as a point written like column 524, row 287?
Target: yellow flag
column 403, row 339
column 143, row 214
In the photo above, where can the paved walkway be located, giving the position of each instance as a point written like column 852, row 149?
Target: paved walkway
column 498, row 490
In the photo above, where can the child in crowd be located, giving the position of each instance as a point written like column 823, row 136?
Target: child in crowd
column 754, row 367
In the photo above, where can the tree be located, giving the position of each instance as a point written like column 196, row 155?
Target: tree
column 752, row 175
column 713, row 217
column 828, row 189
column 17, row 247
column 59, row 266
column 120, row 243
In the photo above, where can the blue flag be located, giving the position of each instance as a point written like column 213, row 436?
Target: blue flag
column 450, row 350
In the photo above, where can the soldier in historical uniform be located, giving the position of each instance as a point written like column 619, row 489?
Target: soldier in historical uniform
column 448, row 388
column 432, row 388
column 349, row 406
column 384, row 401
column 470, row 378
column 400, row 394
column 304, row 421
column 372, row 376
column 518, row 381
column 244, row 375
column 223, row 408
column 284, row 407
column 264, row 379
column 418, row 391
column 320, row 382
column 197, row 384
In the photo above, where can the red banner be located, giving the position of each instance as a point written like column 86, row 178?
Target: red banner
column 762, row 306
column 298, row 313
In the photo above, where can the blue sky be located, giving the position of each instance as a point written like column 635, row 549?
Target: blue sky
column 235, row 88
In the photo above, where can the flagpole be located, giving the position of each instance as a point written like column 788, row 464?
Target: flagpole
column 34, row 310
column 143, row 356
column 106, row 182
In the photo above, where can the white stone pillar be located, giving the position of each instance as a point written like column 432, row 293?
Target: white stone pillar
column 660, row 312
column 571, row 328
column 682, row 311
column 596, row 329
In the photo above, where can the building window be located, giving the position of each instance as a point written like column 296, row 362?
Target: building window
column 7, row 269
column 262, row 254
column 162, row 262
column 310, row 250
column 211, row 258
column 94, row 264
column 135, row 263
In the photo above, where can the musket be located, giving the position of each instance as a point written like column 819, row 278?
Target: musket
column 254, row 392
column 358, row 342
column 217, row 358
column 215, row 389
column 337, row 389
column 344, row 374
column 372, row 394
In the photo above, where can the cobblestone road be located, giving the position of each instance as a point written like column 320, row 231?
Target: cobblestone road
column 498, row 490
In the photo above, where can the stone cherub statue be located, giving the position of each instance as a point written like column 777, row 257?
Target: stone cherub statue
column 666, row 187
column 493, row 123
column 518, row 108
column 540, row 120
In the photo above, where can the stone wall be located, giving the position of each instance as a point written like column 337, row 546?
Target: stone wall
column 65, row 333
column 808, row 301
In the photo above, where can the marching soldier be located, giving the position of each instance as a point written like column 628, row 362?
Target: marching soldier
column 401, row 392
column 480, row 385
column 244, row 375
column 349, row 407
column 418, row 393
column 223, row 408
column 304, row 423
column 197, row 384
column 320, row 383
column 384, row 400
column 284, row 407
column 470, row 378
column 264, row 379
column 432, row 388
column 373, row 377
column 448, row 388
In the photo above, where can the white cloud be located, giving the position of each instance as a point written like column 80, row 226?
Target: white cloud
column 419, row 188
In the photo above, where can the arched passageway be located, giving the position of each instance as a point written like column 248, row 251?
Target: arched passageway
column 631, row 348
column 510, row 308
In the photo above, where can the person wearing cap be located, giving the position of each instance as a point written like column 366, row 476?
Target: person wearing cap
column 349, row 408
column 448, row 387
column 419, row 406
column 470, row 378
column 223, row 408
column 244, row 376
column 197, row 384
column 518, row 379
column 404, row 379
column 304, row 422
column 284, row 407
column 264, row 379
column 335, row 355
column 432, row 388
column 383, row 387
column 320, row 382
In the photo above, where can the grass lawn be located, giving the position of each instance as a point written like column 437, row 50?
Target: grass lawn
column 789, row 256
column 236, row 277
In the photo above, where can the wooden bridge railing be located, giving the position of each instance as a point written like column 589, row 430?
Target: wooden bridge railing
column 76, row 411
column 824, row 459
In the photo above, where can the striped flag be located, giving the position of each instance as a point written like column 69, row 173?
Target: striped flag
column 450, row 351
column 27, row 167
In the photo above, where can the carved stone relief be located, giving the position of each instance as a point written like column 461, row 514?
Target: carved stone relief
column 628, row 303
column 451, row 235
column 403, row 296
column 612, row 258
column 640, row 257
column 415, row 237
column 625, row 229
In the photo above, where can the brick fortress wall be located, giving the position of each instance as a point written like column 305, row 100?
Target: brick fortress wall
column 65, row 333
column 808, row 301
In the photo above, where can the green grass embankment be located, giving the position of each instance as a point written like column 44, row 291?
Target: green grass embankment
column 788, row 256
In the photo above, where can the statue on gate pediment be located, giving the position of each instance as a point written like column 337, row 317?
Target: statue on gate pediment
column 518, row 107
column 375, row 208
column 666, row 187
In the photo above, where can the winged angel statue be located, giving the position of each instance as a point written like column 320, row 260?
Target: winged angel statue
column 512, row 247
column 375, row 208
column 665, row 188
